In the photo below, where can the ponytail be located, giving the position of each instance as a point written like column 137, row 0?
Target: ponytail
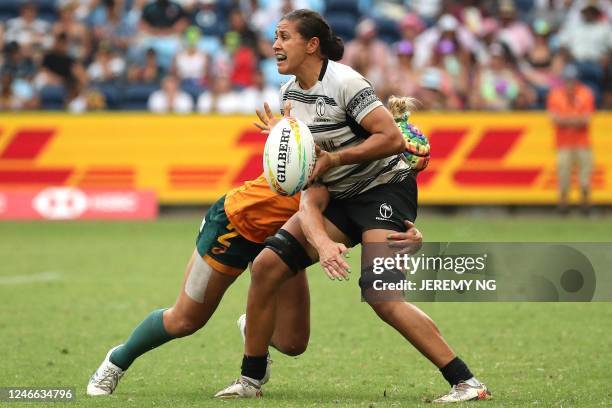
column 333, row 47
column 311, row 24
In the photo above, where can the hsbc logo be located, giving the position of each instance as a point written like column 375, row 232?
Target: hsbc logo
column 60, row 203
column 2, row 203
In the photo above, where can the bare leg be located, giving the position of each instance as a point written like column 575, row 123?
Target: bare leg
column 409, row 320
column 292, row 325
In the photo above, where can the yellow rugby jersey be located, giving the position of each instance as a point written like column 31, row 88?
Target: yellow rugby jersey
column 258, row 212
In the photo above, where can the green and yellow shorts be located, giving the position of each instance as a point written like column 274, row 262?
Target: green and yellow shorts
column 221, row 246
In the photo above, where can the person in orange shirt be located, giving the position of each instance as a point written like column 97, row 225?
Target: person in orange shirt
column 570, row 107
column 230, row 237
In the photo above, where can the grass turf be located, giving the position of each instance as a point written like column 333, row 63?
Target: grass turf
column 103, row 278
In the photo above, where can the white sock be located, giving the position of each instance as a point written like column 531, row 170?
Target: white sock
column 473, row 382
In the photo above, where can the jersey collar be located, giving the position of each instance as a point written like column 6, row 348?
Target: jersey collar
column 323, row 69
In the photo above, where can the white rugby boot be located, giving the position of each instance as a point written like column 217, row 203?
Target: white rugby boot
column 243, row 387
column 470, row 390
column 241, row 323
column 105, row 379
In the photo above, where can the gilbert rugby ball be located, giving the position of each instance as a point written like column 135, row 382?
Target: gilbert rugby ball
column 289, row 156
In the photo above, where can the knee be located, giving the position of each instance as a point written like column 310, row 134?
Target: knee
column 294, row 347
column 267, row 270
column 179, row 325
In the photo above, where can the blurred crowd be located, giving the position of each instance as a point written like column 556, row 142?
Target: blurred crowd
column 216, row 55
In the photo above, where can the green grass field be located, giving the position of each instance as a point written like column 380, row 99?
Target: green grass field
column 70, row 291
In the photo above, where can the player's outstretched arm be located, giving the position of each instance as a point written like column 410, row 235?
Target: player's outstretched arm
column 312, row 203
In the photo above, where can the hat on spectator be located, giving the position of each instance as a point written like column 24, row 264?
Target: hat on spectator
column 541, row 27
column 365, row 27
column 591, row 4
column 507, row 8
column 411, row 20
column 404, row 47
column 448, row 22
column 489, row 26
column 570, row 71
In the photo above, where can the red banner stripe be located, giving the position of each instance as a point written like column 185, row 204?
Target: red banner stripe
column 47, row 177
column 508, row 178
column 495, row 144
column 27, row 144
column 443, row 142
column 252, row 137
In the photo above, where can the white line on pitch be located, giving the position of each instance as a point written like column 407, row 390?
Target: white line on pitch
column 39, row 277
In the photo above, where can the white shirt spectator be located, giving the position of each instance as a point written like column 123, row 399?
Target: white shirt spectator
column 106, row 70
column 253, row 98
column 160, row 103
column 587, row 41
column 226, row 103
column 191, row 64
column 28, row 33
column 170, row 98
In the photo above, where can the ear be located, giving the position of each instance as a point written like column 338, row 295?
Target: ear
column 313, row 45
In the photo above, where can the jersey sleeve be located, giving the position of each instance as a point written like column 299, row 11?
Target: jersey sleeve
column 359, row 98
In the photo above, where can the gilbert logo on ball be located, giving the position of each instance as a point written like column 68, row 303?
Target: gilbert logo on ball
column 289, row 156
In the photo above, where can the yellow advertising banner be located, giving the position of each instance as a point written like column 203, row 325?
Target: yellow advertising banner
column 477, row 158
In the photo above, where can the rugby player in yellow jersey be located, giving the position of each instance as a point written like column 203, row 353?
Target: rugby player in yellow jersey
column 230, row 237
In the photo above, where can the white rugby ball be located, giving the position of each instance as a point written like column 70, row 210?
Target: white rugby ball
column 289, row 156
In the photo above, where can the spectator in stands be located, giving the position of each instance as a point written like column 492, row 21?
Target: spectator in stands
column 190, row 64
column 208, row 17
column 513, row 32
column 11, row 97
column 162, row 24
column 170, row 98
column 447, row 27
column 109, row 25
column 107, row 65
column 19, row 65
column 58, row 68
column 163, row 18
column 77, row 36
column 570, row 107
column 28, row 30
column 541, row 67
column 148, row 71
column 82, row 100
column 248, row 38
column 454, row 65
column 410, row 26
column 367, row 54
column 221, row 98
column 496, row 85
column 403, row 76
column 588, row 41
column 436, row 91
column 253, row 97
column 486, row 37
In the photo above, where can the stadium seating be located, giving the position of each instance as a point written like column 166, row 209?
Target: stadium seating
column 136, row 96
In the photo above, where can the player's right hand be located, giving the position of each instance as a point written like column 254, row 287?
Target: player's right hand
column 331, row 258
column 267, row 118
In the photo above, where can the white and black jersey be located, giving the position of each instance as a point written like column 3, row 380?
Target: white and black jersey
column 333, row 110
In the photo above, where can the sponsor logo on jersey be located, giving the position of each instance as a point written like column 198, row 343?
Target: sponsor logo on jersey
column 320, row 106
column 385, row 211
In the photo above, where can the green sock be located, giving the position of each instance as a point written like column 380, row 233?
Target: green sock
column 149, row 334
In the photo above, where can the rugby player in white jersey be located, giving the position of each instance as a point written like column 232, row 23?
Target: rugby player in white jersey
column 359, row 172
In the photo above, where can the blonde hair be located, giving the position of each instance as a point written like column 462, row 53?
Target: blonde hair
column 399, row 106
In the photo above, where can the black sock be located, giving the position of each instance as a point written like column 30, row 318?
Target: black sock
column 456, row 371
column 254, row 366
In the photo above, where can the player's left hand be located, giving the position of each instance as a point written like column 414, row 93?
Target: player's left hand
column 325, row 161
column 267, row 118
column 409, row 241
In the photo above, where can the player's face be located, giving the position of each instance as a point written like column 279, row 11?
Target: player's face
column 290, row 48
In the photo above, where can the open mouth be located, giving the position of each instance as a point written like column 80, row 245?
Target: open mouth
column 280, row 57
